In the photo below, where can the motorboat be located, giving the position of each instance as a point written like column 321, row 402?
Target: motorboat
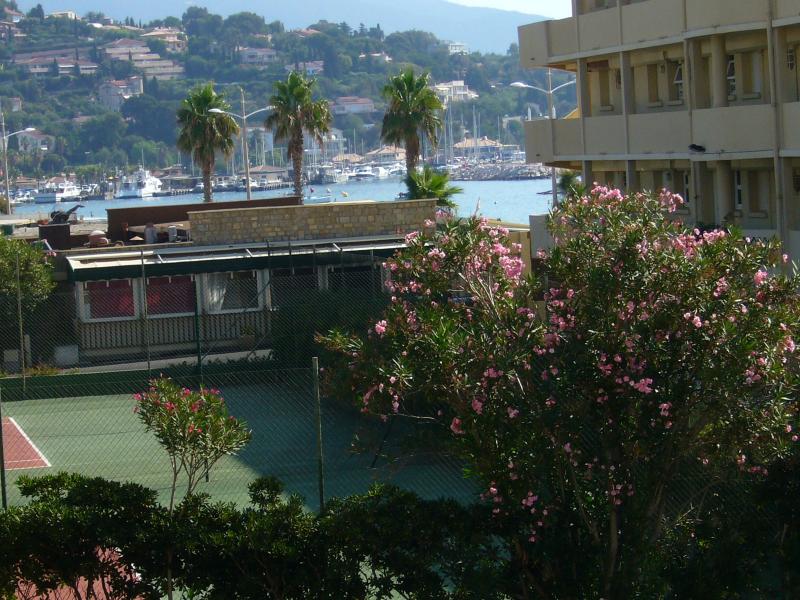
column 65, row 190
column 363, row 174
column 140, row 184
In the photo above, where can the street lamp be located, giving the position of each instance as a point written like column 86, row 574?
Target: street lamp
column 245, row 155
column 551, row 110
column 5, row 155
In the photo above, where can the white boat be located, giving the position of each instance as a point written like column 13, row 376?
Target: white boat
column 363, row 174
column 139, row 185
column 380, row 172
column 62, row 191
column 397, row 171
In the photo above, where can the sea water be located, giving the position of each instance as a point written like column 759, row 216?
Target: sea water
column 510, row 201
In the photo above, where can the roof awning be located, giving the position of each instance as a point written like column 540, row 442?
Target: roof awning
column 132, row 262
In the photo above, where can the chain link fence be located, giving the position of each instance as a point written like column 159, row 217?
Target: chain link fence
column 71, row 366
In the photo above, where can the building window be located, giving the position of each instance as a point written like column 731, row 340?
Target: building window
column 738, row 190
column 293, row 286
column 170, row 295
column 238, row 291
column 791, row 60
column 109, row 300
column 675, row 72
column 731, row 76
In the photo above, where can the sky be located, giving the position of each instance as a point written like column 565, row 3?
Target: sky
column 558, row 9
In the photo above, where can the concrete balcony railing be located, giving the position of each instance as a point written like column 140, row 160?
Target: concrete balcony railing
column 717, row 14
column 651, row 20
column 716, row 130
column 659, row 133
column 546, row 140
column 787, row 9
column 791, row 132
column 605, row 135
column 644, row 22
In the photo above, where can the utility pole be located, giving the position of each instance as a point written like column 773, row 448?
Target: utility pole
column 5, row 159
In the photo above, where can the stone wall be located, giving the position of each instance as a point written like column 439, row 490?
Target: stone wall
column 309, row 222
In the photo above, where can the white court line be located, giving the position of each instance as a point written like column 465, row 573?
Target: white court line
column 27, row 439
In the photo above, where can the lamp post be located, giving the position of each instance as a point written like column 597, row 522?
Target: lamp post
column 245, row 153
column 551, row 113
column 5, row 155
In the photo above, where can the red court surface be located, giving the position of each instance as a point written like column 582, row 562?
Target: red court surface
column 18, row 449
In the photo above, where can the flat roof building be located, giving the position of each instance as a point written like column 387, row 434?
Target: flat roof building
column 700, row 96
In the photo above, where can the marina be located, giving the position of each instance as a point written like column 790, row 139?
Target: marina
column 512, row 201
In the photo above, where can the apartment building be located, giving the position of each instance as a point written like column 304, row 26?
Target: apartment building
column 701, row 96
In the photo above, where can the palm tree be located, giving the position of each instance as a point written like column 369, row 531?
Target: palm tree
column 570, row 185
column 431, row 184
column 295, row 111
column 413, row 110
column 205, row 132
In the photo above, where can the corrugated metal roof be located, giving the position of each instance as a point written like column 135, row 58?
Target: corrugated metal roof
column 94, row 265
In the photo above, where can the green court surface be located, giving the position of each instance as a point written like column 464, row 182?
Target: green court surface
column 99, row 435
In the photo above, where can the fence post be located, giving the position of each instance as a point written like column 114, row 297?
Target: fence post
column 21, row 330
column 320, row 459
column 198, row 343
column 2, row 457
column 145, row 323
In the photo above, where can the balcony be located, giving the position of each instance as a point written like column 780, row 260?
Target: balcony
column 651, row 20
column 598, row 30
column 787, row 9
column 539, row 140
column 791, row 133
column 659, row 133
column 605, row 135
column 719, row 14
column 540, row 42
column 734, row 129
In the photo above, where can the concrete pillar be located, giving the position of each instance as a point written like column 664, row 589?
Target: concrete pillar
column 632, row 176
column 723, row 192
column 694, row 74
column 587, row 175
column 719, row 72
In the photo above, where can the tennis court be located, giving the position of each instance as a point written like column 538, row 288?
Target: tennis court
column 100, row 435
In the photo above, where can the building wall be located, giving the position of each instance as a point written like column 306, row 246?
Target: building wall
column 702, row 96
column 308, row 222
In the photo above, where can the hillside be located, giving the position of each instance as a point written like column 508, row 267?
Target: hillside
column 483, row 29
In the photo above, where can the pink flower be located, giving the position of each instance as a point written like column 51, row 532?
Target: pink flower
column 380, row 327
column 455, row 426
column 513, row 413
column 697, row 322
column 477, row 405
column 568, row 448
column 760, row 277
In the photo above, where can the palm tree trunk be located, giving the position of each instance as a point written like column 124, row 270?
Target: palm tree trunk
column 207, row 167
column 412, row 154
column 297, row 164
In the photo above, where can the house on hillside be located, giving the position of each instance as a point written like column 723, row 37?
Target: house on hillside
column 137, row 52
column 174, row 39
column 64, row 14
column 13, row 16
column 455, row 48
column 257, row 57
column 454, row 91
column 61, row 65
column 31, row 142
column 352, row 105
column 113, row 93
